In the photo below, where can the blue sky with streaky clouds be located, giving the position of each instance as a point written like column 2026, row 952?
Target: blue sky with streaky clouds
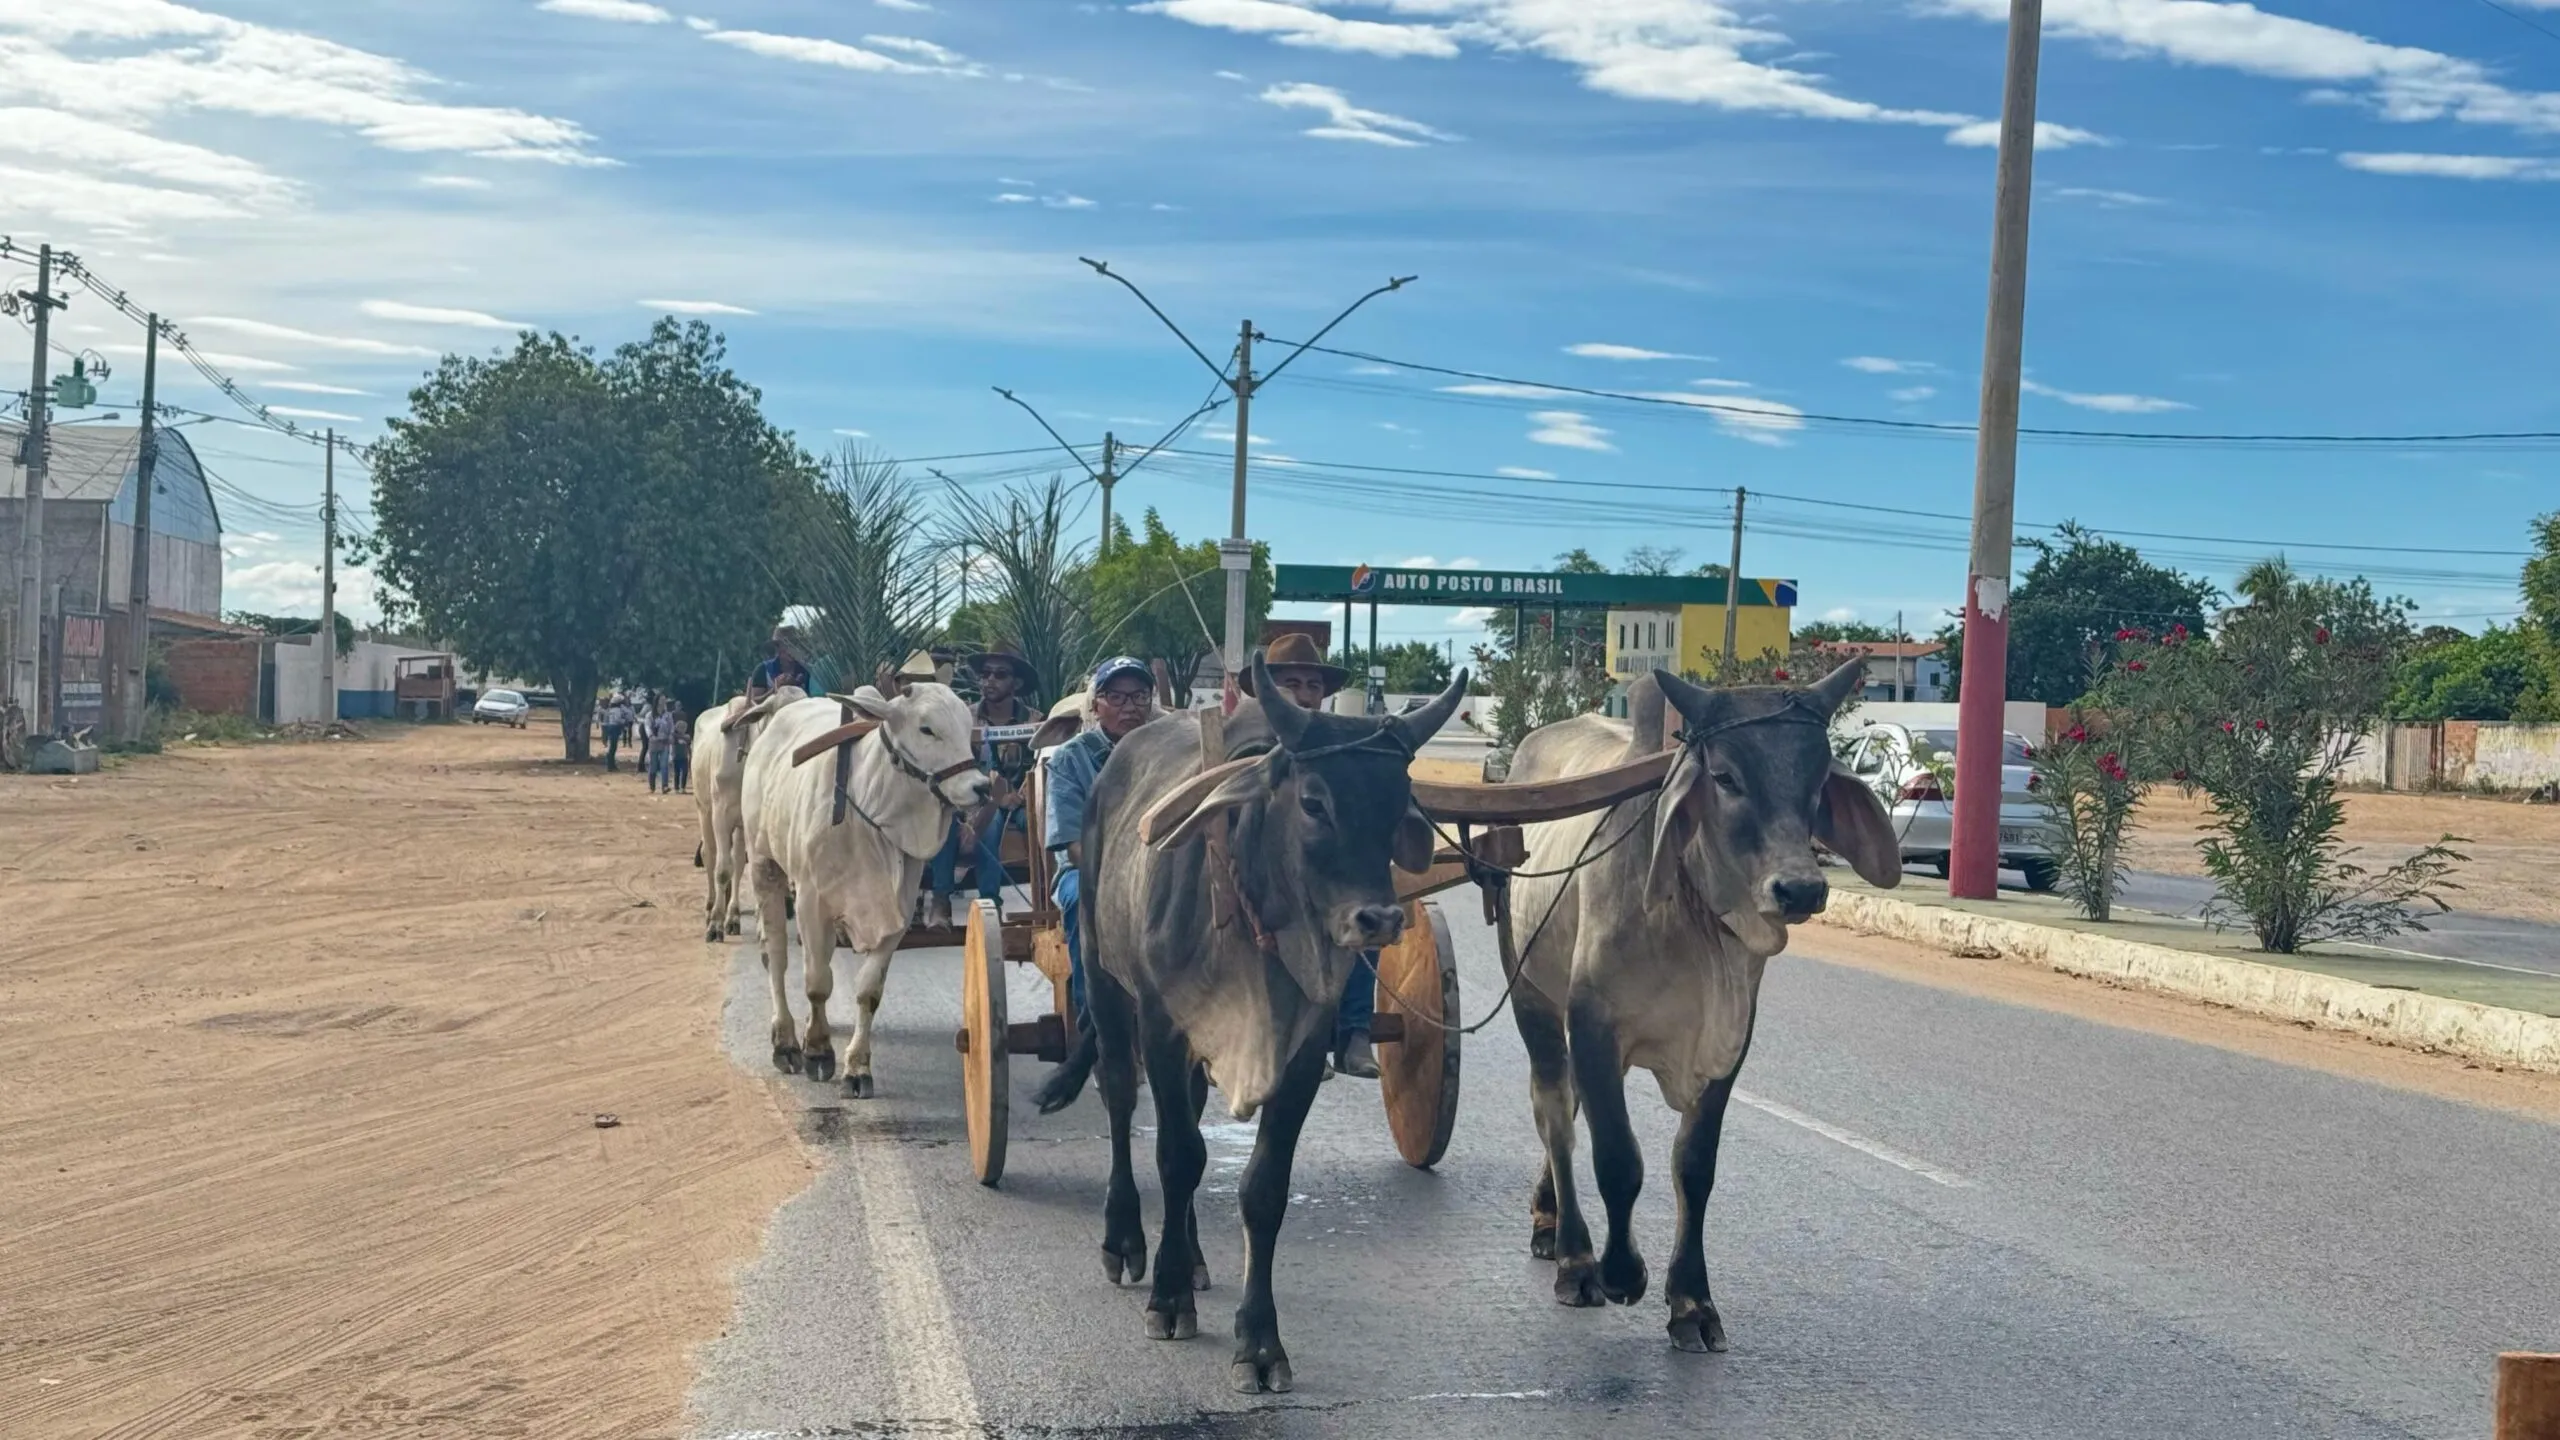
column 2298, row 219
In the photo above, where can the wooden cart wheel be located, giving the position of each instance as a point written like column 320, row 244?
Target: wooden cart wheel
column 1418, row 1072
column 986, row 1059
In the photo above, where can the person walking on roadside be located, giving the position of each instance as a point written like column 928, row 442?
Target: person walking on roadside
column 1298, row 668
column 1005, row 682
column 661, row 760
column 684, row 750
column 617, row 722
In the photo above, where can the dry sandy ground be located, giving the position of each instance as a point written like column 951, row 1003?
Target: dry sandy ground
column 2514, row 848
column 305, row 1046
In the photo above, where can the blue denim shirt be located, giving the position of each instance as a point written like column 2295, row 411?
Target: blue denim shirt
column 1071, row 769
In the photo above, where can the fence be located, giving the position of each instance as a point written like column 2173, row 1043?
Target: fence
column 2460, row 755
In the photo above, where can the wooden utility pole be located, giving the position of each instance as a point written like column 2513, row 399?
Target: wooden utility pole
column 2528, row 1396
column 1733, row 591
column 1973, row 870
column 329, row 580
column 27, row 631
column 1109, row 477
column 137, row 651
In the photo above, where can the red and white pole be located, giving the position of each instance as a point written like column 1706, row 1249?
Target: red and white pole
column 1973, row 871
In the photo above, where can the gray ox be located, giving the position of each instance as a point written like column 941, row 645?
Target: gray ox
column 1313, row 826
column 1650, row 955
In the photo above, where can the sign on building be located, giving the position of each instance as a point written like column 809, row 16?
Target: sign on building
column 80, row 688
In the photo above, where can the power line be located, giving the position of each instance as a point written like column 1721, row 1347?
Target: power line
column 2523, row 19
column 1749, row 414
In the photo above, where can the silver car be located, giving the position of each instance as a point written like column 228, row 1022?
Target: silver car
column 500, row 707
column 1905, row 766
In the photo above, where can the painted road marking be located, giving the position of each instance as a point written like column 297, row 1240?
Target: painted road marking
column 932, row 1378
column 1855, row 1141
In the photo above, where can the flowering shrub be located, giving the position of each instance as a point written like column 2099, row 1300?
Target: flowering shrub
column 2088, row 791
column 2262, row 717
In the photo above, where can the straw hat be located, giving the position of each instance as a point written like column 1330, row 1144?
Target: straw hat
column 1297, row 649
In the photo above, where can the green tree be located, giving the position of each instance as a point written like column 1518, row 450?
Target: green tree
column 1834, row 632
column 2084, row 596
column 2263, row 716
column 2498, row 674
column 297, row 625
column 1416, row 667
column 872, row 577
column 1159, row 599
column 583, row 520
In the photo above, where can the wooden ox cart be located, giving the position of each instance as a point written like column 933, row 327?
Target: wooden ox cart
column 1416, row 1026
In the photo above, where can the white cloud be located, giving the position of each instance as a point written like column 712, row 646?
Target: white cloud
column 1570, row 429
column 243, row 364
column 1503, row 390
column 1346, row 121
column 1373, row 369
column 1602, row 350
column 2108, row 199
column 909, row 5
column 1712, row 382
column 1011, row 183
column 453, row 182
column 856, row 434
column 700, row 26
column 298, row 413
column 2454, row 167
column 2116, row 404
column 1523, row 472
column 1229, row 436
column 1015, row 197
column 291, row 336
column 1229, row 74
column 811, row 50
column 629, row 12
column 1296, row 24
column 1066, row 202
column 133, row 61
column 85, row 144
column 1914, row 395
column 1840, row 614
column 111, row 207
column 1985, row 134
column 695, row 307
column 1418, row 562
column 1879, row 365
column 2399, row 82
column 1744, row 417
column 438, row 315
column 314, row 387
column 1470, row 617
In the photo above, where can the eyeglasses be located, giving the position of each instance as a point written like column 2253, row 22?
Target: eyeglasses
column 1124, row 699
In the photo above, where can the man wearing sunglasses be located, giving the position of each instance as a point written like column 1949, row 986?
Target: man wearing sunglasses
column 1124, row 698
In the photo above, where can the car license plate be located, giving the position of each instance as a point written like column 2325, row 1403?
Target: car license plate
column 2016, row 835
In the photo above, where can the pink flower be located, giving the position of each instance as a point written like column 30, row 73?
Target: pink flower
column 2228, row 727
column 2262, row 724
column 2320, row 636
column 2134, row 665
column 1778, row 674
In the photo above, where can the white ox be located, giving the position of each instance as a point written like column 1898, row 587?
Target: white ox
column 902, row 782
column 719, row 783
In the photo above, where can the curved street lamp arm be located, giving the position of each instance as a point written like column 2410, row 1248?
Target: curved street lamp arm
column 1103, row 269
column 1044, row 424
column 1274, row 372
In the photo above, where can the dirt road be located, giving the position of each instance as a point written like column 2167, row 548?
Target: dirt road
column 2514, row 849
column 306, row 1046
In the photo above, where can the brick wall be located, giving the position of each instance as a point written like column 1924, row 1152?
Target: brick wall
column 216, row 676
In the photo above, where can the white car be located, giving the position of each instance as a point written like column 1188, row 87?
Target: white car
column 1890, row 759
column 500, row 707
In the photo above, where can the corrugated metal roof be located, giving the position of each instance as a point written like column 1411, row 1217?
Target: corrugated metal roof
column 89, row 462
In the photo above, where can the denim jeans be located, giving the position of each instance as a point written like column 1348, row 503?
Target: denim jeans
column 944, row 868
column 1070, row 896
column 662, row 767
column 1359, row 999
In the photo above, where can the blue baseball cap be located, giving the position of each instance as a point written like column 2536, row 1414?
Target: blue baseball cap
column 1117, row 666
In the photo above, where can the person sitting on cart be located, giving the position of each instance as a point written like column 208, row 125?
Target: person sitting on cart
column 1123, row 698
column 782, row 666
column 1298, row 668
column 1005, row 683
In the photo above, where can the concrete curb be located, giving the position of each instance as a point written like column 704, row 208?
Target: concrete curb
column 2395, row 1017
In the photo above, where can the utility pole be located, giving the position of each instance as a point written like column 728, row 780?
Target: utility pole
column 1973, row 870
column 329, row 580
column 1733, row 589
column 1235, row 553
column 26, row 635
column 1109, row 477
column 1901, row 653
column 138, row 594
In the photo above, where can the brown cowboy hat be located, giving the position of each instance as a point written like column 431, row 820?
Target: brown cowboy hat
column 1297, row 649
column 1010, row 656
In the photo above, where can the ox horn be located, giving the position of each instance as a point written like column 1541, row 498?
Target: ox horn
column 1288, row 722
column 1834, row 689
column 1418, row 726
column 1692, row 701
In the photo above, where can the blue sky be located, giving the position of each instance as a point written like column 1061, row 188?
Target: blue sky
column 2313, row 218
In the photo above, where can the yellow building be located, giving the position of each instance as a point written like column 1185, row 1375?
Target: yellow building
column 1688, row 638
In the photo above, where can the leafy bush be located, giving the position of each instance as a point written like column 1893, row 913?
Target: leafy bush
column 2088, row 786
column 2263, row 716
column 2498, row 674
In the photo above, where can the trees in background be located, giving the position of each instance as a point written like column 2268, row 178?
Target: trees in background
column 1415, row 667
column 579, row 519
column 867, row 569
column 1159, row 599
column 2064, row 613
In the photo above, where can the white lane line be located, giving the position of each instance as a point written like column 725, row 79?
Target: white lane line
column 1855, row 1141
column 915, row 1313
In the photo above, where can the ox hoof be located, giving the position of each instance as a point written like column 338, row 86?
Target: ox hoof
column 712, row 933
column 1622, row 1277
column 858, row 1086
column 1542, row 1242
column 1126, row 1260
column 1266, row 1371
column 1182, row 1324
column 1199, row 1275
column 733, row 924
column 786, row 1058
column 820, row 1061
column 1578, row 1283
column 1698, row 1333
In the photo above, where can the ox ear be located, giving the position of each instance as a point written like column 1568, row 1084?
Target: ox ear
column 753, row 713
column 869, row 700
column 1415, row 842
column 1180, row 817
column 1674, row 820
column 1851, row 823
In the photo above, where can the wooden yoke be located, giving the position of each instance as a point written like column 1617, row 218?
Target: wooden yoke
column 1538, row 802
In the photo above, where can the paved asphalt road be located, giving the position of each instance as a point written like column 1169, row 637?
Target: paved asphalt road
column 1939, row 1216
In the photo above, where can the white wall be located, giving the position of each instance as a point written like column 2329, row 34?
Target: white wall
column 370, row 666
column 2025, row 717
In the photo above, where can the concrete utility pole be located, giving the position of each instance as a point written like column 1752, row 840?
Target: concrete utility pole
column 329, row 580
column 137, row 650
column 1733, row 590
column 1901, row 647
column 1973, row 871
column 27, row 634
column 1109, row 476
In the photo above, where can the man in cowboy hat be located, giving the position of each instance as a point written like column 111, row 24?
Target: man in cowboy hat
column 1005, row 683
column 1298, row 668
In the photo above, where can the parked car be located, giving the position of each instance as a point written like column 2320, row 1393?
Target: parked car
column 500, row 707
column 1897, row 762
